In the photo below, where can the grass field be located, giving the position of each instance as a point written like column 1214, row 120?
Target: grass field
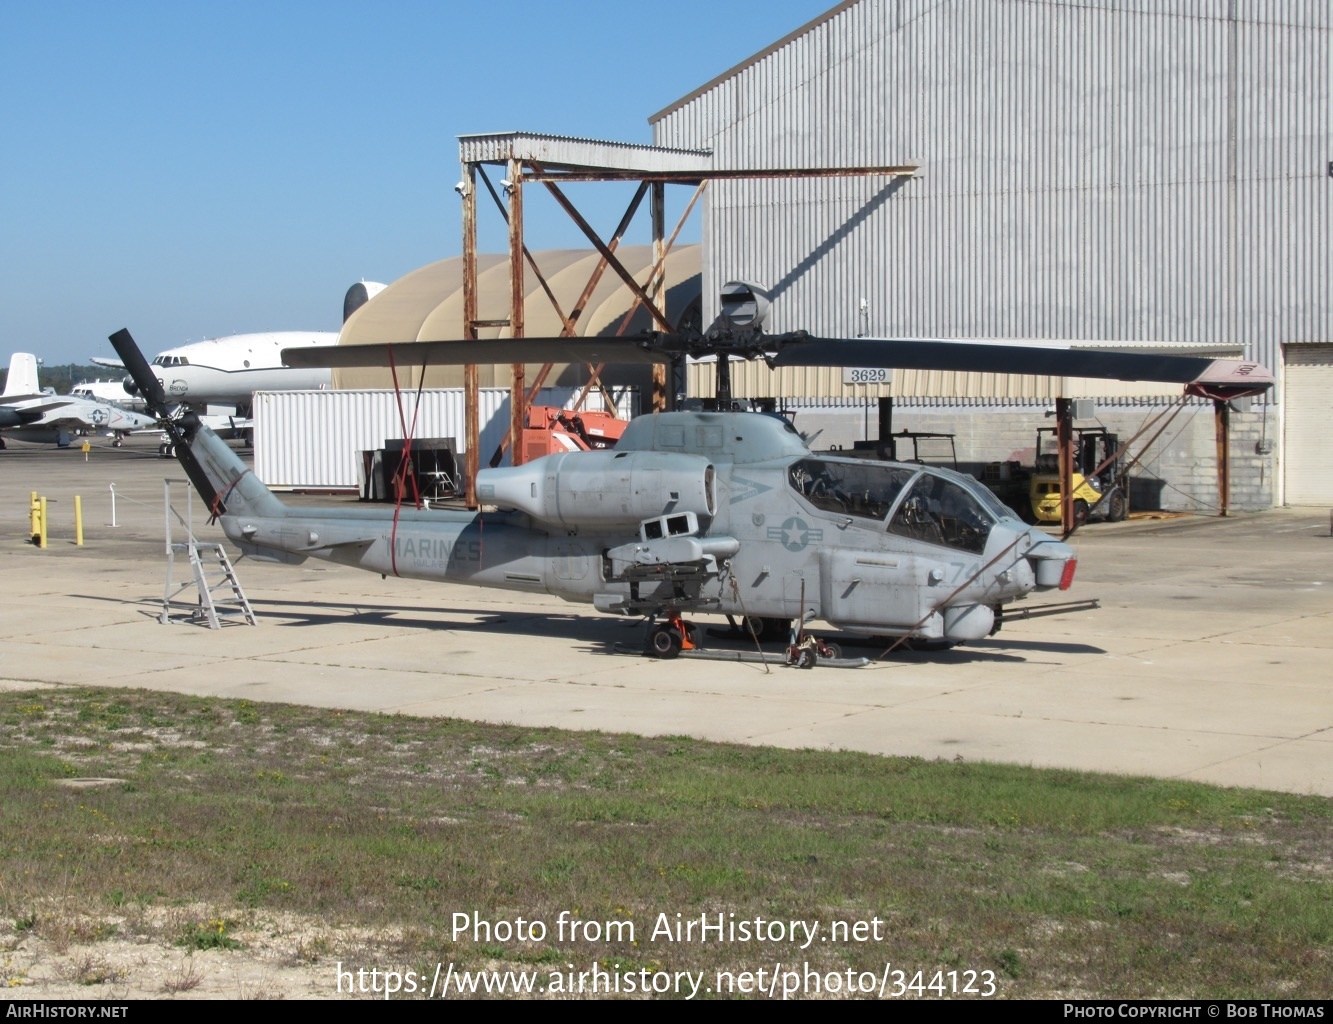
column 214, row 816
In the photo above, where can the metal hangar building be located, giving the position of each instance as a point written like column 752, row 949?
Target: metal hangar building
column 1122, row 172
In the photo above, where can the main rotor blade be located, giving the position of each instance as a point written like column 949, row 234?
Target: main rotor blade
column 497, row 350
column 1203, row 375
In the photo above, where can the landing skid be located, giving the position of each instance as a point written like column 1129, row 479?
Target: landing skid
column 672, row 636
column 752, row 657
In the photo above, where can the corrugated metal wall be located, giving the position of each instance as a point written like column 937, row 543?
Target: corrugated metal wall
column 1120, row 171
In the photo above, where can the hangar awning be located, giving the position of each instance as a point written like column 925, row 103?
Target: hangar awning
column 564, row 155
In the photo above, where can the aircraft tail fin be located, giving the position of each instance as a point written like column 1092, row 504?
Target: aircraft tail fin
column 22, row 379
column 224, row 482
column 358, row 295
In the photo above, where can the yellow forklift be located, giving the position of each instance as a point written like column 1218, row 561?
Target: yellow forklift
column 1100, row 478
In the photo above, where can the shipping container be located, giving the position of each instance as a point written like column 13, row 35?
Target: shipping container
column 312, row 440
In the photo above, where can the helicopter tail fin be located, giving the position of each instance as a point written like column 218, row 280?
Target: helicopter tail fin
column 231, row 486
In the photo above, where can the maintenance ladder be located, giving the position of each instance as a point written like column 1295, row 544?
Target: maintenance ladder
column 210, row 571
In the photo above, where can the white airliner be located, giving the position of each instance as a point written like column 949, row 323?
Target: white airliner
column 228, row 371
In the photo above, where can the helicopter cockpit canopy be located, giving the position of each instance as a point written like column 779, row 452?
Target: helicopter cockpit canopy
column 930, row 505
column 863, row 489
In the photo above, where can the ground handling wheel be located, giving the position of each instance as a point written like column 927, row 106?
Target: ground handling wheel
column 663, row 642
column 802, row 655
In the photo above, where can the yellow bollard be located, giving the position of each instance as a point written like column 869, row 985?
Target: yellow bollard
column 78, row 521
column 42, row 536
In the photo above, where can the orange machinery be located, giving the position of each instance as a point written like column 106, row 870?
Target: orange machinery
column 551, row 430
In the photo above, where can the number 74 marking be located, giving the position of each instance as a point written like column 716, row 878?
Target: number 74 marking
column 964, row 569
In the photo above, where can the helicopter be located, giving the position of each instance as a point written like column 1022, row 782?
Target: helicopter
column 701, row 512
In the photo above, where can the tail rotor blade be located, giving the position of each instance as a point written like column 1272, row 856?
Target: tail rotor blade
column 179, row 430
column 137, row 367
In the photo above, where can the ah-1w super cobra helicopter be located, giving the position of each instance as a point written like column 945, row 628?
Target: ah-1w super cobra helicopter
column 724, row 512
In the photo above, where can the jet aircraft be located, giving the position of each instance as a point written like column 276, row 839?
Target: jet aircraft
column 30, row 415
column 700, row 512
column 23, row 401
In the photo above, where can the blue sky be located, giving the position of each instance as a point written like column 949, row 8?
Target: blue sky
column 195, row 169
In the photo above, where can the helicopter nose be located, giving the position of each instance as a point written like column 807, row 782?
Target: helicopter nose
column 1053, row 563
